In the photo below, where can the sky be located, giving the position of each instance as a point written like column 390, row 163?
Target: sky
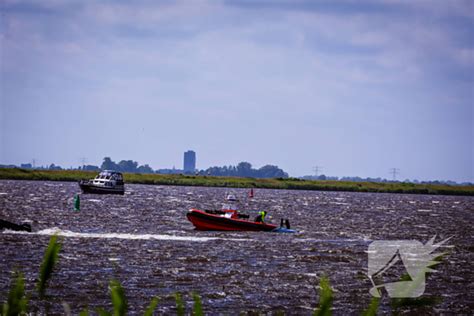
column 355, row 87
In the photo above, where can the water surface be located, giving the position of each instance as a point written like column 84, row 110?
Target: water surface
column 144, row 240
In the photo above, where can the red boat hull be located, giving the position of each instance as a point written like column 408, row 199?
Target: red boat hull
column 205, row 221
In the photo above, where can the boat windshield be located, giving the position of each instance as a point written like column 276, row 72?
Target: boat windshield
column 116, row 176
column 108, row 175
column 229, row 206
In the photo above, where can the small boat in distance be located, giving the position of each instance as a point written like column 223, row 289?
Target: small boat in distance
column 106, row 182
column 228, row 220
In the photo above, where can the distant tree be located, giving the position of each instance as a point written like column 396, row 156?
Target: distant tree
column 90, row 168
column 8, row 166
column 215, row 171
column 322, row 177
column 169, row 171
column 128, row 166
column 145, row 169
column 355, row 179
column 108, row 164
column 54, row 167
column 270, row 171
column 244, row 169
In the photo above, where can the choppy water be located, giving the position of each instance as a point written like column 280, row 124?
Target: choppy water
column 144, row 240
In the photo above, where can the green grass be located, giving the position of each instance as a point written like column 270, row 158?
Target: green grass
column 373, row 307
column 325, row 298
column 17, row 303
column 49, row 261
column 180, row 309
column 119, row 301
column 151, row 308
column 234, row 182
column 197, row 310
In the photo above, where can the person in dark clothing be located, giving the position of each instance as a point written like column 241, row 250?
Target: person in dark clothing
column 285, row 223
column 261, row 217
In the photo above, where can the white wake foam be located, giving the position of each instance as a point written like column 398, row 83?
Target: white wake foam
column 71, row 234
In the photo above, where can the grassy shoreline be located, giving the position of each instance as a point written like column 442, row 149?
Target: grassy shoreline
column 234, row 182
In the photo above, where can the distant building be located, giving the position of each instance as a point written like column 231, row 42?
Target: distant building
column 189, row 162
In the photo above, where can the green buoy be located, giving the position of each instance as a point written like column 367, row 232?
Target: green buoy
column 77, row 203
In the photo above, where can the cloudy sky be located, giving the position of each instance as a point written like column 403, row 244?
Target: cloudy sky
column 357, row 87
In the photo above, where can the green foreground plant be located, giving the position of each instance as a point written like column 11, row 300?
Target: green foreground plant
column 373, row 307
column 17, row 303
column 49, row 261
column 151, row 308
column 325, row 298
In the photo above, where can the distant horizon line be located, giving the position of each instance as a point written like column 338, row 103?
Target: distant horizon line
column 307, row 176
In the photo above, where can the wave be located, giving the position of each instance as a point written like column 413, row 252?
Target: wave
column 71, row 234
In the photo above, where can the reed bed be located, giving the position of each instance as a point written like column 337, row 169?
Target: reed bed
column 235, row 182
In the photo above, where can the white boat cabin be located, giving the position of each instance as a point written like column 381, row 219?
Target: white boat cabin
column 108, row 178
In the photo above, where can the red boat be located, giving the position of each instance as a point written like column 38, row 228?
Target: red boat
column 225, row 220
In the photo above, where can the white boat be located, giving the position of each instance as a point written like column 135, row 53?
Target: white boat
column 106, row 182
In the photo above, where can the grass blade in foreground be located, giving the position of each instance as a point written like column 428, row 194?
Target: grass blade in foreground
column 373, row 307
column 197, row 309
column 49, row 261
column 179, row 305
column 84, row 312
column 119, row 301
column 151, row 308
column 17, row 301
column 325, row 298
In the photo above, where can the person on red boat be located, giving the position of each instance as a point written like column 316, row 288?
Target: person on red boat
column 261, row 217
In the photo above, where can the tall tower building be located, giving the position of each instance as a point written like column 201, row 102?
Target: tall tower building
column 189, row 162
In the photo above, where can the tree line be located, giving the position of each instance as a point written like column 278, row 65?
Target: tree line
column 243, row 169
column 125, row 166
